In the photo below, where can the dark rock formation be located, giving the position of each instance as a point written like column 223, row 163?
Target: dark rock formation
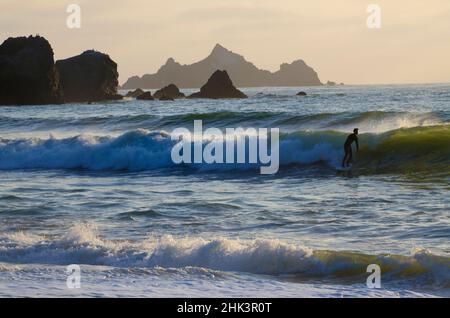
column 27, row 72
column 219, row 85
column 301, row 94
column 329, row 83
column 115, row 97
column 90, row 76
column 171, row 91
column 243, row 73
column 145, row 96
column 135, row 93
column 166, row 98
column 295, row 74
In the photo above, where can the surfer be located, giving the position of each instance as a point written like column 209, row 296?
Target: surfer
column 348, row 148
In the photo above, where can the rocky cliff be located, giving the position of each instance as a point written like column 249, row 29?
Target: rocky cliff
column 27, row 72
column 90, row 76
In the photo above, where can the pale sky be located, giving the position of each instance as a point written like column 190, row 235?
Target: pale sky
column 412, row 45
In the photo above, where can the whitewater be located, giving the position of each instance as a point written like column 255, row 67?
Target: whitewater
column 94, row 185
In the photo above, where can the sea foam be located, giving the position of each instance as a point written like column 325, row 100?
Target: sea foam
column 82, row 244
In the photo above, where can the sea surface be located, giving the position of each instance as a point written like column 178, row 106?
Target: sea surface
column 94, row 185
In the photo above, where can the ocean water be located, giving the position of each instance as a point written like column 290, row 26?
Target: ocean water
column 94, row 185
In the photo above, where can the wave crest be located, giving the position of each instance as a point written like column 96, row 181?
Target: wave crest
column 83, row 245
column 400, row 150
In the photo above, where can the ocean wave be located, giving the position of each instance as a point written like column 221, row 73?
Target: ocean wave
column 369, row 122
column 83, row 245
column 372, row 122
column 402, row 150
column 418, row 148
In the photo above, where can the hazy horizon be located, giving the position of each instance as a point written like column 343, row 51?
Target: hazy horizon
column 410, row 47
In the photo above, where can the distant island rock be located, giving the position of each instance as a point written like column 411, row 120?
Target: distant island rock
column 170, row 91
column 301, row 93
column 243, row 73
column 219, row 85
column 145, row 96
column 27, row 72
column 166, row 98
column 135, row 93
column 90, row 76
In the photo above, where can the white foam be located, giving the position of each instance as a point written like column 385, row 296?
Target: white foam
column 136, row 150
column 387, row 122
column 83, row 245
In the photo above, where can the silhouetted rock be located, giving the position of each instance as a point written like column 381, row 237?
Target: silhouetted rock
column 330, row 83
column 219, row 85
column 145, row 96
column 90, row 76
column 166, row 98
column 243, row 73
column 115, row 97
column 135, row 93
column 171, row 91
column 301, row 94
column 27, row 72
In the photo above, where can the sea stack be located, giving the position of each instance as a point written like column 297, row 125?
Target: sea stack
column 145, row 96
column 88, row 77
column 135, row 93
column 219, row 85
column 27, row 72
column 169, row 92
column 166, row 98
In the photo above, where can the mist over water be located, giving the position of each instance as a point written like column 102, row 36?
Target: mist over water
column 94, row 185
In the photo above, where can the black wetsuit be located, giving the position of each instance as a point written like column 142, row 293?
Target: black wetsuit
column 348, row 149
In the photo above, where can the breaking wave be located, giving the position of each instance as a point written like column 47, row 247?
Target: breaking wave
column 418, row 148
column 83, row 245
